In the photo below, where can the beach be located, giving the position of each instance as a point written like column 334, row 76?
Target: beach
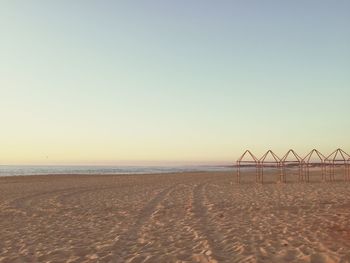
column 179, row 217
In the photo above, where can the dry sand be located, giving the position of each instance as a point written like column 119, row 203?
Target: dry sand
column 193, row 217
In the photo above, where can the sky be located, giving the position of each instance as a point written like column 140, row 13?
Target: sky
column 164, row 82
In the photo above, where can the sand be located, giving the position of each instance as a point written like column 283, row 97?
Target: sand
column 192, row 217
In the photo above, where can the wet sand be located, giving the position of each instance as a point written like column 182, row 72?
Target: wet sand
column 190, row 217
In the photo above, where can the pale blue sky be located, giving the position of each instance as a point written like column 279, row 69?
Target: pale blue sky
column 171, row 81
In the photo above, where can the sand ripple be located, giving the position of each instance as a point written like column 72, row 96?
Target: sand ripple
column 172, row 218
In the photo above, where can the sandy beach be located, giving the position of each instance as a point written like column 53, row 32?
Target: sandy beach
column 189, row 217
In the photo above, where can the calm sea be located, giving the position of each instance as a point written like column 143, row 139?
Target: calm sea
column 13, row 170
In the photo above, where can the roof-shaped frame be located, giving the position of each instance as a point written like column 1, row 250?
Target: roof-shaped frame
column 291, row 152
column 249, row 153
column 262, row 160
column 307, row 161
column 338, row 155
column 254, row 161
column 308, row 157
column 297, row 161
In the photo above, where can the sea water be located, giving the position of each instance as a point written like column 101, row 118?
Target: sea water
column 13, row 170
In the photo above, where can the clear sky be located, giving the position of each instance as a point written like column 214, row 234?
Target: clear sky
column 99, row 82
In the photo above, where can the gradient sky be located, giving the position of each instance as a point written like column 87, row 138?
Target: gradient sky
column 107, row 82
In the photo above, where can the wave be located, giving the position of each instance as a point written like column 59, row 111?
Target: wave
column 15, row 170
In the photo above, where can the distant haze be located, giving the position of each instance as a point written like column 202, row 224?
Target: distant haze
column 171, row 82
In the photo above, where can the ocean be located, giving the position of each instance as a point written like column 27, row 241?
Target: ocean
column 15, row 170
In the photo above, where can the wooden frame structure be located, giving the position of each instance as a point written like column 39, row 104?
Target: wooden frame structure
column 308, row 162
column 337, row 158
column 285, row 163
column 276, row 162
column 254, row 162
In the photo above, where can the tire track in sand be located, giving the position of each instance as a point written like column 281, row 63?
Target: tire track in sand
column 213, row 238
column 170, row 234
column 120, row 248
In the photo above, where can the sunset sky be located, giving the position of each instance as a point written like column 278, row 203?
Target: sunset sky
column 163, row 82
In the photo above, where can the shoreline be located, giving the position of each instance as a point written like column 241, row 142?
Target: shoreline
column 111, row 170
column 112, row 175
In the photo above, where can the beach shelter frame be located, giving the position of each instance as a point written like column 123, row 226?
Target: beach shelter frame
column 307, row 162
column 338, row 157
column 285, row 163
column 254, row 162
column 263, row 163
